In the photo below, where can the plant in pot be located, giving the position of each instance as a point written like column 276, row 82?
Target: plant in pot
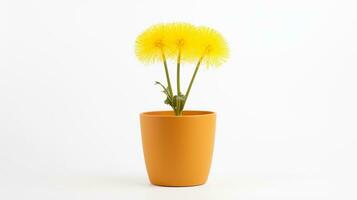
column 178, row 144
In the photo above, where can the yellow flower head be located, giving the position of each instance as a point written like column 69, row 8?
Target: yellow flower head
column 152, row 43
column 192, row 43
column 180, row 37
column 211, row 45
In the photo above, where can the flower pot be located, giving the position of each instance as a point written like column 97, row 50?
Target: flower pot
column 178, row 149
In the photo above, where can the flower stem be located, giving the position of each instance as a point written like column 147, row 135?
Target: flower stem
column 178, row 72
column 167, row 73
column 192, row 79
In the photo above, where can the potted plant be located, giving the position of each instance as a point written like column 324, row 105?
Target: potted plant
column 178, row 144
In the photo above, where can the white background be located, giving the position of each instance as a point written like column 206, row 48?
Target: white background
column 71, row 91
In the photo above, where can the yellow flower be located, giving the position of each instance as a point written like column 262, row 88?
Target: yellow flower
column 192, row 42
column 152, row 43
column 180, row 37
column 211, row 45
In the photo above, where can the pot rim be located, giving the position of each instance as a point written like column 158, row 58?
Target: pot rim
column 170, row 113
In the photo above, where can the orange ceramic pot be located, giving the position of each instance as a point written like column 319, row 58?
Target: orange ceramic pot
column 178, row 149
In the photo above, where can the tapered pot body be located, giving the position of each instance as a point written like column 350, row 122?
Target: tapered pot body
column 178, row 149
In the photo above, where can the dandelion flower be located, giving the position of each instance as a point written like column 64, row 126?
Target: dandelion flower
column 211, row 46
column 152, row 44
column 180, row 37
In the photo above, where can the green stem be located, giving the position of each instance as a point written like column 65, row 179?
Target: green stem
column 192, row 79
column 178, row 106
column 167, row 73
column 178, row 72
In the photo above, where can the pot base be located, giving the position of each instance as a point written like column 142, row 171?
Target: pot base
column 177, row 185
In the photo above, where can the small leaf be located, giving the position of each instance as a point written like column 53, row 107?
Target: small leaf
column 169, row 99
